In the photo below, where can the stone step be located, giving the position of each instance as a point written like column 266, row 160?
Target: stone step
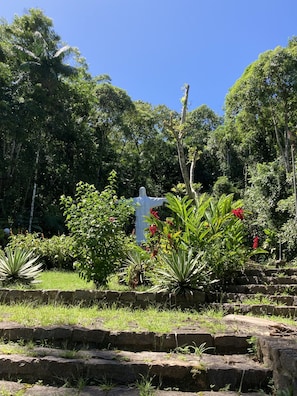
column 257, row 309
column 266, row 280
column 265, row 299
column 14, row 388
column 288, row 289
column 186, row 372
column 76, row 337
column 260, row 271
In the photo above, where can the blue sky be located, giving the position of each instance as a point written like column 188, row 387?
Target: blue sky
column 151, row 48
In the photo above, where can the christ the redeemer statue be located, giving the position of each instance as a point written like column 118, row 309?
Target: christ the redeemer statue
column 143, row 204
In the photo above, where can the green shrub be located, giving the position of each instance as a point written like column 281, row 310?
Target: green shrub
column 18, row 266
column 54, row 252
column 96, row 221
column 212, row 227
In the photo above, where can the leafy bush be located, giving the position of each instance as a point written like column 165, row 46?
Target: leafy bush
column 18, row 266
column 54, row 252
column 96, row 222
column 211, row 227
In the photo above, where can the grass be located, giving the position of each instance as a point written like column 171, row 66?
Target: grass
column 257, row 300
column 70, row 280
column 111, row 318
column 118, row 319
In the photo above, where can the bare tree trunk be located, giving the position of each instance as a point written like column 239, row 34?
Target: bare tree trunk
column 279, row 143
column 34, row 192
column 178, row 133
column 187, row 175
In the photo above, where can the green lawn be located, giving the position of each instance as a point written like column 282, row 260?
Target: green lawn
column 62, row 280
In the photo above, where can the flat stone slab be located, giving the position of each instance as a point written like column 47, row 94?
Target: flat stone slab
column 37, row 390
column 189, row 372
column 259, row 326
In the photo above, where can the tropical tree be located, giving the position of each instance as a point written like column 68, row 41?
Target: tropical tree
column 45, row 108
column 261, row 107
column 261, row 119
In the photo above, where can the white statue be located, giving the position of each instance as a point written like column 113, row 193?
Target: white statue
column 143, row 204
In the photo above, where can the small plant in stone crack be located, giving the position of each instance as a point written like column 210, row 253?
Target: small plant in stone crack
column 145, row 386
column 225, row 388
column 285, row 392
column 253, row 342
column 196, row 370
column 289, row 291
column 80, row 384
column 198, row 350
column 106, row 384
column 69, row 354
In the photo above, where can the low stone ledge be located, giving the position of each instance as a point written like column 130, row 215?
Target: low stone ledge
column 131, row 341
column 96, row 337
column 56, row 333
column 230, row 344
column 106, row 297
column 16, row 332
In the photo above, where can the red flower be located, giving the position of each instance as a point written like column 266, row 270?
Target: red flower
column 153, row 229
column 169, row 236
column 154, row 213
column 256, row 242
column 238, row 213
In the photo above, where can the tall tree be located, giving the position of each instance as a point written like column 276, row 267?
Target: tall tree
column 42, row 117
column 261, row 107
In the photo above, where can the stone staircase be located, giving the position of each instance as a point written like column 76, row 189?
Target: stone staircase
column 253, row 357
column 261, row 290
column 182, row 361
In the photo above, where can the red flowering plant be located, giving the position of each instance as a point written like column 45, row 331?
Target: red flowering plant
column 161, row 234
column 256, row 242
column 238, row 212
column 214, row 229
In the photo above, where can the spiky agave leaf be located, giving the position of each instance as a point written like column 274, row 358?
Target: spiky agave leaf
column 182, row 272
column 19, row 265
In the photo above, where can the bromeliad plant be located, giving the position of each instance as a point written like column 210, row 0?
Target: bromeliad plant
column 19, row 266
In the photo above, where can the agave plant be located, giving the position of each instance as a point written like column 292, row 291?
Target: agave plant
column 134, row 271
column 182, row 272
column 19, row 266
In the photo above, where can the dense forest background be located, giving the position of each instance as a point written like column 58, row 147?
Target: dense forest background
column 60, row 125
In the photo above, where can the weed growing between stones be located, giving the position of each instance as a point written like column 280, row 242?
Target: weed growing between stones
column 196, row 350
column 106, row 384
column 145, row 386
column 253, row 342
